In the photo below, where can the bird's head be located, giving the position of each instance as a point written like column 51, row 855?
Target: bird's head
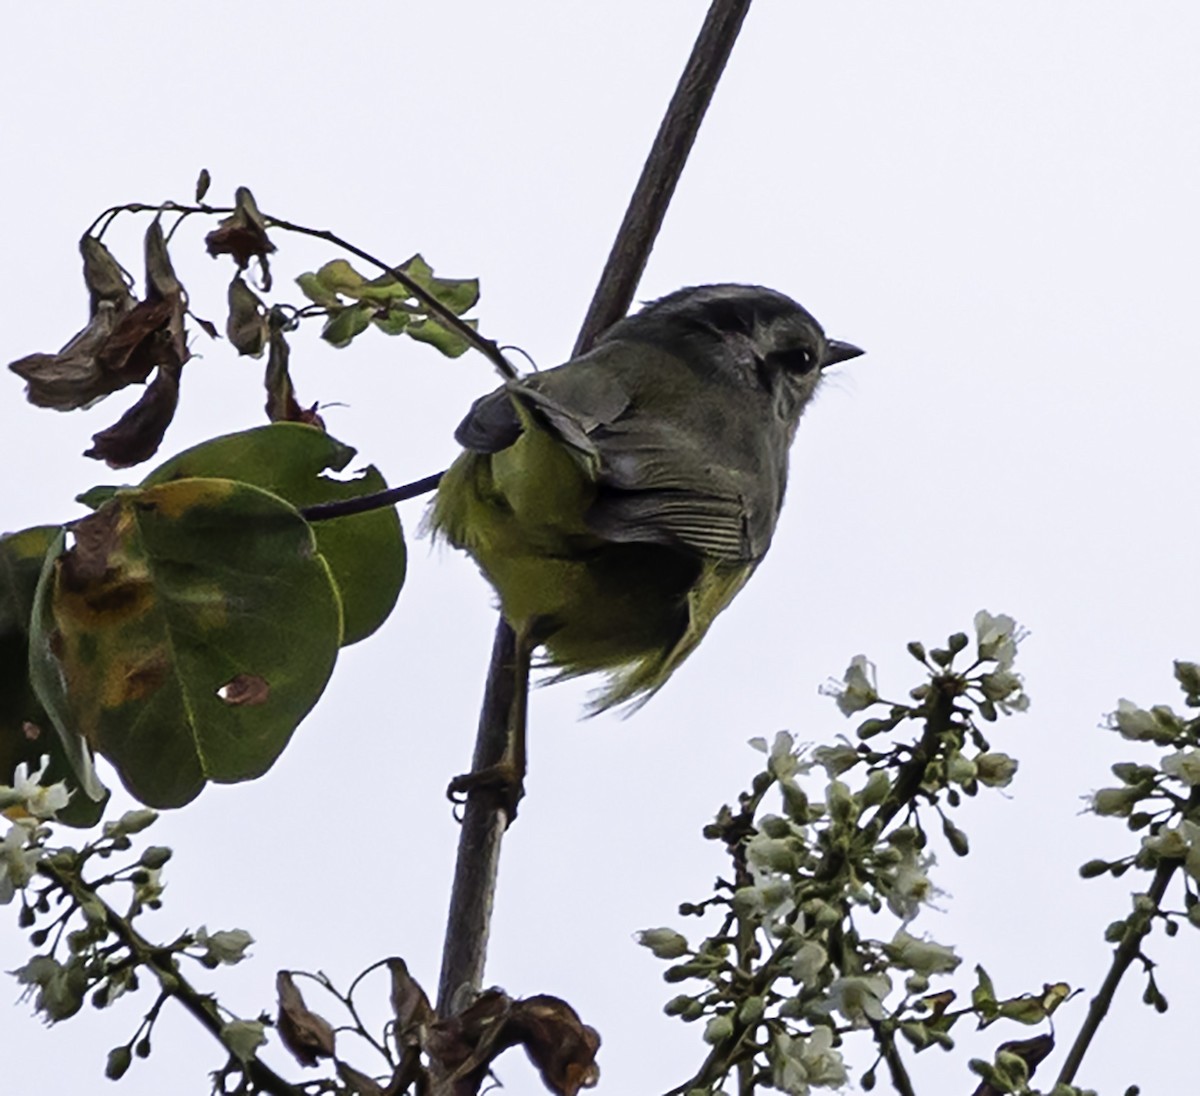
column 751, row 334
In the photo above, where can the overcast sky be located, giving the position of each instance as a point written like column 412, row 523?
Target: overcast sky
column 997, row 200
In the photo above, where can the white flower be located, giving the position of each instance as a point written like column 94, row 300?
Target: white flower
column 995, row 770
column 783, row 758
column 997, row 637
column 1004, row 689
column 800, row 1062
column 960, row 770
column 808, row 963
column 60, row 987
column 1180, row 842
column 856, row 690
column 1183, row 765
column 226, row 946
column 836, row 760
column 718, row 1029
column 28, row 795
column 1159, row 724
column 1170, row 843
column 772, row 853
column 923, row 956
column 664, row 943
column 18, row 860
column 910, row 885
column 1117, row 802
column 859, row 998
column 243, row 1038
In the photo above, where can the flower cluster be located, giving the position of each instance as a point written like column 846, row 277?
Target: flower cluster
column 790, row 973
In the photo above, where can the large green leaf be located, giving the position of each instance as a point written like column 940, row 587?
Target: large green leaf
column 185, row 634
column 26, row 730
column 365, row 552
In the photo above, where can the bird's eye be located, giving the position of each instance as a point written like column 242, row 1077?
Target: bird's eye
column 796, row 359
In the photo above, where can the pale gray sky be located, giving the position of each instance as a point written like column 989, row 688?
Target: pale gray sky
column 996, row 200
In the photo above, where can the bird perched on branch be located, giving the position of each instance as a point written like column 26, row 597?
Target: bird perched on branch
column 618, row 502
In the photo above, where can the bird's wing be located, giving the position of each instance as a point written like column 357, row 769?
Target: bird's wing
column 659, row 482
column 571, row 401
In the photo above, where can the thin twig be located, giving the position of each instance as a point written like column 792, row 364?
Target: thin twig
column 485, row 346
column 172, row 983
column 1127, row 950
column 323, row 511
column 484, row 820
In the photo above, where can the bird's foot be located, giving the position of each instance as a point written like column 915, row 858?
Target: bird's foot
column 504, row 782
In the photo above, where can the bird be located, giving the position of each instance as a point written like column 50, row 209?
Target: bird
column 619, row 502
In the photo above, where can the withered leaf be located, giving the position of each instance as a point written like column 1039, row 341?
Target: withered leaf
column 560, row 1045
column 247, row 323
column 308, row 1035
column 243, row 234
column 282, row 405
column 104, row 277
column 76, row 376
column 138, row 433
column 163, row 285
column 359, row 1083
column 125, row 339
column 410, row 1005
column 558, row 1042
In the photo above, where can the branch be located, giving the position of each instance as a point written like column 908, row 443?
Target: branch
column 484, row 821
column 323, row 511
column 485, row 346
column 171, row 982
column 1127, row 950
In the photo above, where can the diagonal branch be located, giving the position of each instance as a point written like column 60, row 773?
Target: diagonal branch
column 484, row 820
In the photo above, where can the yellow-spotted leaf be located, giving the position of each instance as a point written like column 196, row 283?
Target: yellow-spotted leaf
column 185, row 633
column 26, row 731
column 365, row 552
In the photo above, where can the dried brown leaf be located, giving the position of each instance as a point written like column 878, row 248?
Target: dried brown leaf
column 104, row 277
column 559, row 1044
column 359, row 1083
column 124, row 341
column 138, row 433
column 243, row 234
column 308, row 1035
column 246, row 326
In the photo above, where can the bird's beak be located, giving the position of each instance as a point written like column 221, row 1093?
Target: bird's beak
column 837, row 351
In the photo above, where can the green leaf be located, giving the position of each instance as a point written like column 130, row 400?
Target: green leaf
column 95, row 497
column 394, row 321
column 49, row 684
column 365, row 552
column 457, row 294
column 317, row 291
column 345, row 323
column 26, row 730
column 191, row 626
column 340, row 277
column 431, row 331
